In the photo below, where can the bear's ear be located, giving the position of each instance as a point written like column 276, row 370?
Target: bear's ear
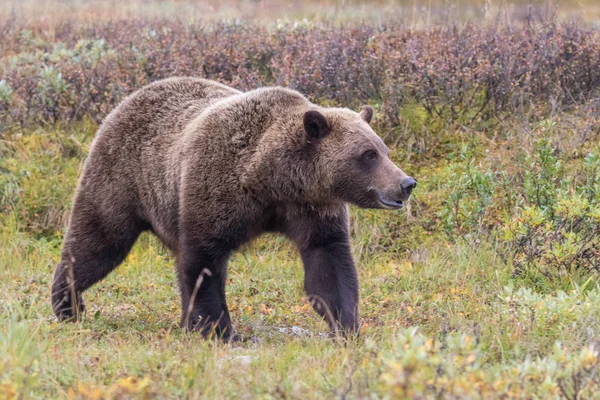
column 367, row 114
column 316, row 125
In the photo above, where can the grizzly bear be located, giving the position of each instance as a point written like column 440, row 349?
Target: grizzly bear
column 207, row 168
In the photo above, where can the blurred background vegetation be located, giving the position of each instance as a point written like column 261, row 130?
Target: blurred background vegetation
column 414, row 12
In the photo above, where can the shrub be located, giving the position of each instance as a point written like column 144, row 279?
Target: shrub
column 545, row 217
column 555, row 245
column 462, row 74
column 541, row 177
column 6, row 97
column 456, row 367
column 467, row 207
column 5, row 93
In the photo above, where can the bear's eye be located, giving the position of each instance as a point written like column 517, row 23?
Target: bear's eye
column 370, row 155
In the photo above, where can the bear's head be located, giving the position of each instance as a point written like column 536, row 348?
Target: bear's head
column 354, row 161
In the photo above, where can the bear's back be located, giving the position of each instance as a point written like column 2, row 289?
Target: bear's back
column 133, row 148
column 162, row 108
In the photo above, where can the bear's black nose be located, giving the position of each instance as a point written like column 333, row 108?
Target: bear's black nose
column 408, row 184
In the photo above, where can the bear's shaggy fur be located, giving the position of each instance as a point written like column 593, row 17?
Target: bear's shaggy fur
column 207, row 168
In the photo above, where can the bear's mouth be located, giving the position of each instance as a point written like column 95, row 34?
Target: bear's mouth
column 391, row 204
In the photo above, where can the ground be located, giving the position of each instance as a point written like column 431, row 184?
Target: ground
column 444, row 316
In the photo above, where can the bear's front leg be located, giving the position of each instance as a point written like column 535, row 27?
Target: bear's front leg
column 330, row 280
column 202, row 278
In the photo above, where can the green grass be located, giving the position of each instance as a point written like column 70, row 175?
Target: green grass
column 440, row 318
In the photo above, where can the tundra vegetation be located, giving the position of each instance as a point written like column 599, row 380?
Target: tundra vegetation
column 486, row 285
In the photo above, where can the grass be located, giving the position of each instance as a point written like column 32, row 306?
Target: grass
column 446, row 318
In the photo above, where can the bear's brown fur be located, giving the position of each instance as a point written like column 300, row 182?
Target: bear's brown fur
column 207, row 168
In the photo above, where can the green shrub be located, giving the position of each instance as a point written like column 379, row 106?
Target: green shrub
column 541, row 178
column 557, row 244
column 50, row 92
column 467, row 208
column 544, row 215
column 457, row 367
column 5, row 93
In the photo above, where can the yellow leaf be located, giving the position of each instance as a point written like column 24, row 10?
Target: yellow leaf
column 265, row 310
column 7, row 391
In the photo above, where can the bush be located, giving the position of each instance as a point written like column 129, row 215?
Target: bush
column 545, row 217
column 467, row 208
column 456, row 367
column 567, row 242
column 457, row 74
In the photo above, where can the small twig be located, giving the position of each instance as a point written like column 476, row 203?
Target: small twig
column 327, row 311
column 71, row 283
column 190, row 307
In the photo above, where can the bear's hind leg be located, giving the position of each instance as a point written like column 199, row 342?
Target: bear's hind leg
column 93, row 247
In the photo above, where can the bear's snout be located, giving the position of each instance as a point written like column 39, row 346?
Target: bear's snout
column 398, row 189
column 407, row 185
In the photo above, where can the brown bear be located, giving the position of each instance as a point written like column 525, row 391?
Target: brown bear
column 207, row 168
